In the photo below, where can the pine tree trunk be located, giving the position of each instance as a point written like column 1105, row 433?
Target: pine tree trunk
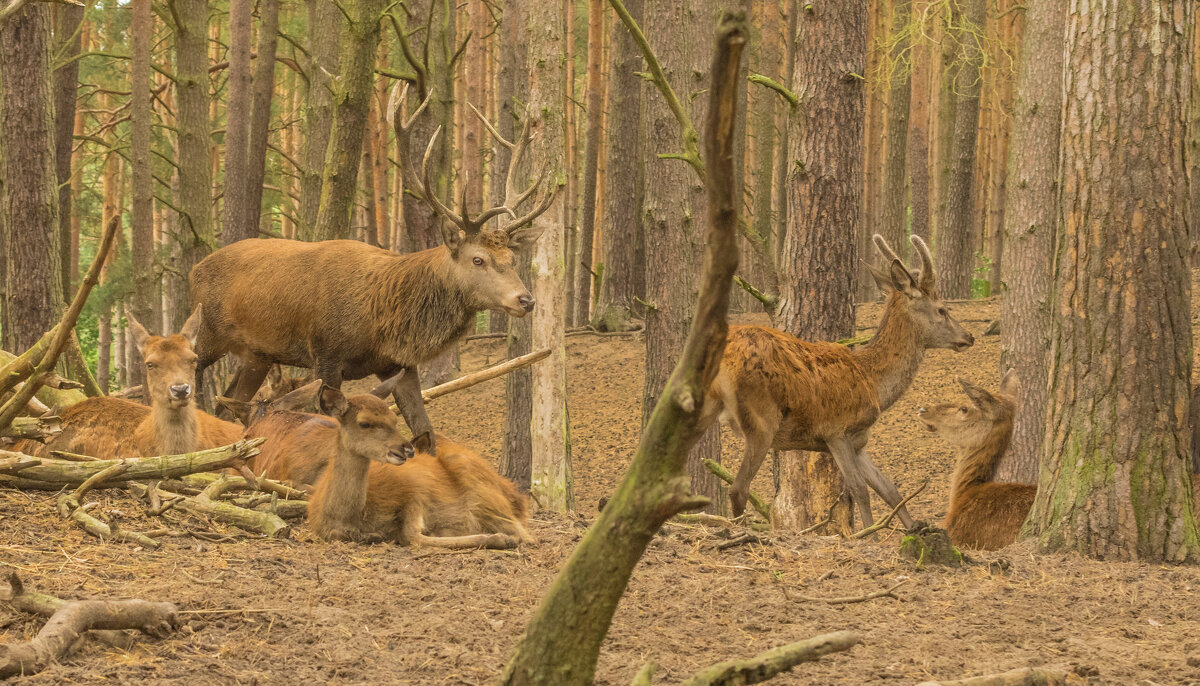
column 819, row 258
column 194, row 198
column 570, row 161
column 1115, row 470
column 674, row 204
column 1031, row 214
column 104, row 350
column 944, row 113
column 918, row 134
column 234, row 226
column 68, row 43
column 591, row 161
column 766, row 57
column 34, row 286
column 550, row 433
column 141, row 235
column 325, row 23
column 787, row 121
column 260, row 114
column 894, row 225
column 955, row 243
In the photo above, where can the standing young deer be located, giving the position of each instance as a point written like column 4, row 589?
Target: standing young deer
column 359, row 493
column 111, row 428
column 351, row 310
column 983, row 514
column 780, row 392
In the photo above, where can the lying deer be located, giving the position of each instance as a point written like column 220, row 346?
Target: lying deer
column 112, row 428
column 453, row 500
column 983, row 514
column 780, row 392
column 351, row 310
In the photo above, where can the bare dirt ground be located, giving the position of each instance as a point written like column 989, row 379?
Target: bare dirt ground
column 297, row 611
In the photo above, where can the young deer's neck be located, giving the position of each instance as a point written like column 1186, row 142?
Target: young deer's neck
column 346, row 495
column 175, row 428
column 976, row 465
column 894, row 354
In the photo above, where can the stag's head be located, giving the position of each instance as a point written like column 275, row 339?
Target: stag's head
column 913, row 293
column 368, row 429
column 483, row 256
column 170, row 362
column 968, row 425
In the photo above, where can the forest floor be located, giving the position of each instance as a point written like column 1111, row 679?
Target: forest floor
column 301, row 610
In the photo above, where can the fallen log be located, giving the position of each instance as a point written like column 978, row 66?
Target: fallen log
column 45, row 605
column 1025, row 676
column 482, row 375
column 37, row 428
column 73, row 620
column 772, row 662
column 140, row 468
column 207, row 503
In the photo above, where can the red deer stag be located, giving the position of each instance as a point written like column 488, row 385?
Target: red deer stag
column 351, row 310
column 983, row 514
column 453, row 500
column 111, row 428
column 780, row 392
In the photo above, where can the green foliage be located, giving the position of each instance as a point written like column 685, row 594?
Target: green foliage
column 981, row 284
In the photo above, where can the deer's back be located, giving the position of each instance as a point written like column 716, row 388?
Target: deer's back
column 298, row 447
column 100, row 427
column 492, row 502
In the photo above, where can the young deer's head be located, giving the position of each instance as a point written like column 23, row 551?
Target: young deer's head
column 482, row 258
column 914, row 293
column 368, row 428
column 969, row 425
column 170, row 362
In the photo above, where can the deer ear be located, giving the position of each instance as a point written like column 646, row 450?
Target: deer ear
column 384, row 389
column 981, row 398
column 332, row 402
column 422, row 443
column 882, row 279
column 298, row 400
column 140, row 335
column 902, row 280
column 524, row 237
column 454, row 240
column 1010, row 385
column 191, row 328
column 240, row 408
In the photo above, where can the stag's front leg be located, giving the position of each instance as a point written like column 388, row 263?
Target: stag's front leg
column 412, row 407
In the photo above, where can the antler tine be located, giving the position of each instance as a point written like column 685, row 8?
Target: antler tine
column 491, row 129
column 518, row 151
column 420, row 108
column 928, row 279
column 536, row 211
column 427, row 188
column 395, row 100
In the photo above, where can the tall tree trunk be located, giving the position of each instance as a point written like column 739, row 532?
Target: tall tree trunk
column 623, row 278
column 674, row 204
column 570, row 160
column 819, row 257
column 260, row 115
column 141, row 234
column 34, row 287
column 1115, row 470
column 591, row 161
column 894, row 225
column 787, row 120
column 949, row 15
column 234, row 226
column 325, row 23
column 918, row 133
column 766, row 57
column 352, row 99
column 104, row 349
column 955, row 242
column 550, row 424
column 194, row 198
column 68, row 42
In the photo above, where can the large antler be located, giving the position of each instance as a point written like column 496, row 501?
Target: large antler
column 421, row 186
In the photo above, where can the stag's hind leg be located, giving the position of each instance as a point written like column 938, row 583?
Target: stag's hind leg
column 846, row 458
column 883, row 486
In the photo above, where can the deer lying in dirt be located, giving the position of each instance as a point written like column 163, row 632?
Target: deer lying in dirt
column 351, row 310
column 983, row 514
column 362, row 491
column 112, row 428
column 780, row 392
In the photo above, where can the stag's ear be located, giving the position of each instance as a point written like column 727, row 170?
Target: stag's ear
column 902, row 280
column 454, row 240
column 240, row 408
column 298, row 400
column 140, row 335
column 332, row 402
column 524, row 237
column 1010, row 385
column 882, row 279
column 191, row 328
column 385, row 389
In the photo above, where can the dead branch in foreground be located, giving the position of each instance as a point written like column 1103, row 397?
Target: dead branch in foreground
column 888, row 519
column 772, row 662
column 163, row 467
column 846, row 600
column 1025, row 676
column 70, row 506
column 37, row 428
column 72, row 620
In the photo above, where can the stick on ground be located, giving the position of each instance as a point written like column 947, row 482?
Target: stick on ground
column 775, row 661
column 1025, row 676
column 888, row 519
column 887, row 593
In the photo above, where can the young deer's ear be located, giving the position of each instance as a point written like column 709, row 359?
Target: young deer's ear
column 240, row 408
column 981, row 398
column 902, row 280
column 332, row 402
column 191, row 328
column 1010, row 385
column 384, row 389
column 423, row 442
column 883, row 280
column 298, row 400
column 524, row 237
column 140, row 335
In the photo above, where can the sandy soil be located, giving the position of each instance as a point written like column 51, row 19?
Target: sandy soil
column 279, row 612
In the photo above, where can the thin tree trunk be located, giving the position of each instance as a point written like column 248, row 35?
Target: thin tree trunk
column 1115, row 460
column 260, row 116
column 947, row 102
column 894, row 225
column 570, row 161
column 235, row 211
column 591, row 161
column 325, row 23
column 766, row 56
column 141, row 234
column 68, row 43
column 918, row 134
column 779, row 180
column 104, row 349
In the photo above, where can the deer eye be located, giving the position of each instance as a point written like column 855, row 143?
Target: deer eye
column 364, row 425
column 478, row 261
column 963, row 409
column 943, row 311
column 149, row 365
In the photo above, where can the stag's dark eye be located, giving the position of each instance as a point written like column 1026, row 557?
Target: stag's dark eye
column 364, row 425
column 478, row 261
column 149, row 365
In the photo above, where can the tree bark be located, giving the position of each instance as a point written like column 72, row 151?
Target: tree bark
column 325, row 22
column 819, row 259
column 34, row 286
column 550, row 434
column 918, row 135
column 237, row 127
column 68, row 43
column 623, row 278
column 591, row 161
column 260, row 115
column 955, row 242
column 141, row 234
column 1115, row 459
column 894, row 224
column 1031, row 214
column 674, row 202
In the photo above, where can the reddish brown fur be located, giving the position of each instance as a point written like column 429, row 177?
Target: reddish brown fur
column 784, row 393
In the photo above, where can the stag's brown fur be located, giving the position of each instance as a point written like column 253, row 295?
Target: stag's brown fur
column 788, row 394
column 112, row 428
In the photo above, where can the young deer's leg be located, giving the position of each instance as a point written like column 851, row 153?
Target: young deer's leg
column 845, row 456
column 414, row 524
column 883, row 486
column 412, row 407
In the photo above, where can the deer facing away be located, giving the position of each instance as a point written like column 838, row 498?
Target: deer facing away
column 351, row 455
column 112, row 428
column 350, row 310
column 780, row 392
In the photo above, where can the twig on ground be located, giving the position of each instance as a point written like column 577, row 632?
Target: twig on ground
column 756, row 502
column 1025, row 676
column 739, row 540
column 772, row 662
column 888, row 519
column 846, row 600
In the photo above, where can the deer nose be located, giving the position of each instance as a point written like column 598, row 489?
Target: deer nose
column 970, row 338
column 526, row 302
column 181, row 390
